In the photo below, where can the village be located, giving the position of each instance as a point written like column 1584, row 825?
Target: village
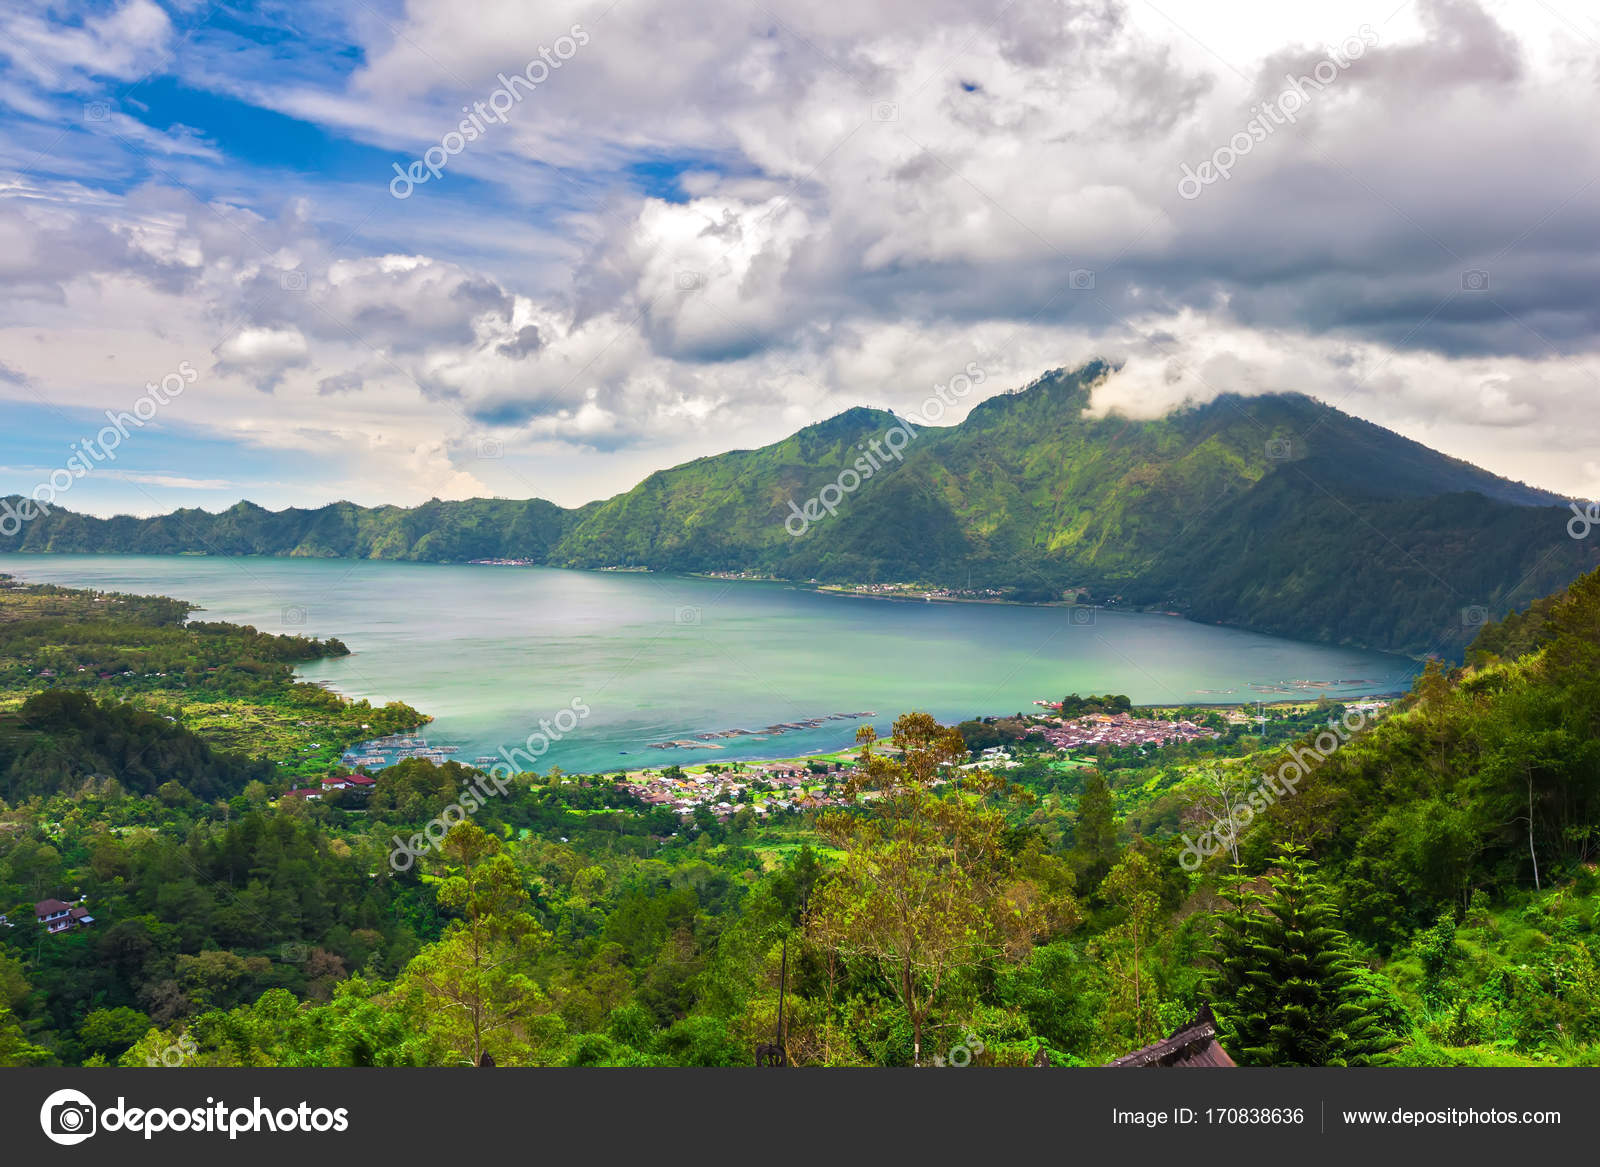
column 1122, row 729
column 814, row 782
column 810, row 782
column 765, row 787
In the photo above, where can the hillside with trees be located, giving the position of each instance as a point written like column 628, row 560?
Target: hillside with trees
column 1274, row 512
column 1423, row 893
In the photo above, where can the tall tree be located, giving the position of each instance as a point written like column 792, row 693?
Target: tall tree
column 1094, row 838
column 476, row 978
column 926, row 886
column 1134, row 890
column 1286, row 989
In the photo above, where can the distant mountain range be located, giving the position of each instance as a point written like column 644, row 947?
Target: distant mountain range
column 1275, row 513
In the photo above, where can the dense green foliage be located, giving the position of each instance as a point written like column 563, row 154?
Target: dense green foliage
column 1452, row 916
column 60, row 737
column 1274, row 513
column 1290, row 992
column 208, row 705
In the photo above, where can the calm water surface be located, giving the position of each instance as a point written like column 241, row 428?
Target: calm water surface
column 489, row 651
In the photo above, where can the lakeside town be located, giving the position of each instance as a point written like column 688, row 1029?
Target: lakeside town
column 1122, row 729
column 816, row 781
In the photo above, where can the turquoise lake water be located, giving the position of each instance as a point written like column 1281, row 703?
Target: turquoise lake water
column 490, row 651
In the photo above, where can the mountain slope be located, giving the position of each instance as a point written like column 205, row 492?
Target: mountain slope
column 436, row 531
column 1273, row 512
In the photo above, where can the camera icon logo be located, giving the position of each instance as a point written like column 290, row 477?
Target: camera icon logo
column 293, row 280
column 1081, row 279
column 294, row 617
column 1279, row 449
column 68, row 1117
column 96, row 111
column 689, row 281
column 490, row 449
column 885, row 111
column 1082, row 615
column 1475, row 280
column 689, row 617
column 1474, row 616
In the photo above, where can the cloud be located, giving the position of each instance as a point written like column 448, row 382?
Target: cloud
column 122, row 45
column 174, row 481
column 711, row 228
column 524, row 343
column 263, row 355
column 340, row 383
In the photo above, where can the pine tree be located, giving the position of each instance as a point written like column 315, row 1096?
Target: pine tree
column 1287, row 991
column 475, row 983
column 1094, row 847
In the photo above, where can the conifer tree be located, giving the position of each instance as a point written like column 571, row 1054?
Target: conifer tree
column 1286, row 991
column 474, row 983
column 1094, row 847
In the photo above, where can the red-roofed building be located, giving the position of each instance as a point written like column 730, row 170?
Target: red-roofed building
column 58, row 916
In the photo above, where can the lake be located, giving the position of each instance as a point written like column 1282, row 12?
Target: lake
column 492, row 651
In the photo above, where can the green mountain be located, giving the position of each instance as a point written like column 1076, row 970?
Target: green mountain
column 1275, row 512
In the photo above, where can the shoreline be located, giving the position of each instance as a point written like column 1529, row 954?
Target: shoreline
column 851, row 591
column 710, row 747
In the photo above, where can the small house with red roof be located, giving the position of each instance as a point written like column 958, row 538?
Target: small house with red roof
column 59, row 916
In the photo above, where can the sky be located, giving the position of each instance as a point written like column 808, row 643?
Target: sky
column 385, row 251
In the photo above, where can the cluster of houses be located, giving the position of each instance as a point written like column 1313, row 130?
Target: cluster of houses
column 1120, row 729
column 722, row 792
column 333, row 782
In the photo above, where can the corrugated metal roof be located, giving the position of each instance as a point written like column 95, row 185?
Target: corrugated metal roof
column 1195, row 1044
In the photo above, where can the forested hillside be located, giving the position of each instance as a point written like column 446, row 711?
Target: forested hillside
column 106, row 685
column 1275, row 513
column 1434, row 868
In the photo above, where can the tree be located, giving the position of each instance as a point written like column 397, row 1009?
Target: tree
column 1133, row 889
column 1286, row 990
column 479, row 996
column 1225, row 804
column 109, row 1032
column 1094, row 846
column 926, row 887
column 15, row 1048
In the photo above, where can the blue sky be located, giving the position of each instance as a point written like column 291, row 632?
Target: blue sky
column 683, row 230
